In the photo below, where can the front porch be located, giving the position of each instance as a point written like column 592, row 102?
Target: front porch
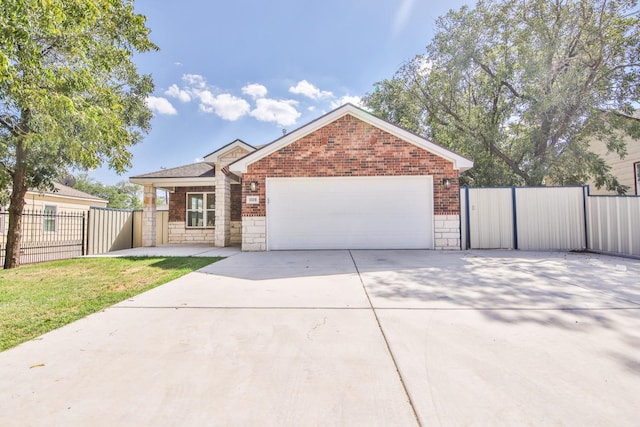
column 204, row 200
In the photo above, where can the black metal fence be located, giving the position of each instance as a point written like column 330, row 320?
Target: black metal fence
column 47, row 236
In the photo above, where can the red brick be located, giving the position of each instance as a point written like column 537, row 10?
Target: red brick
column 350, row 147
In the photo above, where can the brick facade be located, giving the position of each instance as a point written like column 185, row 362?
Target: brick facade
column 236, row 202
column 351, row 147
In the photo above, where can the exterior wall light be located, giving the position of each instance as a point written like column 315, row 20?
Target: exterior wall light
column 253, row 185
column 446, row 183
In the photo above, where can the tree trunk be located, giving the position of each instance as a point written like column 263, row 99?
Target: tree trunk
column 16, row 206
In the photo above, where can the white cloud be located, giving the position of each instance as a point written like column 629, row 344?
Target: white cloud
column 282, row 112
column 195, row 81
column 255, row 90
column 310, row 91
column 225, row 106
column 161, row 106
column 198, row 160
column 178, row 64
column 402, row 16
column 347, row 99
column 175, row 92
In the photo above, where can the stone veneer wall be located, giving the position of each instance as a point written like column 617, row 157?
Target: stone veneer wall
column 254, row 237
column 447, row 232
column 179, row 235
column 149, row 217
column 348, row 147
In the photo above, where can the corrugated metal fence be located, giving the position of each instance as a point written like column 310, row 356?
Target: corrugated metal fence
column 109, row 230
column 115, row 229
column 549, row 218
column 614, row 224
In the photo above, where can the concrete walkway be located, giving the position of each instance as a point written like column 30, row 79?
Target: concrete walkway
column 175, row 250
column 349, row 338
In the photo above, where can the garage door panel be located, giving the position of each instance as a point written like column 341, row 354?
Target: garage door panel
column 350, row 213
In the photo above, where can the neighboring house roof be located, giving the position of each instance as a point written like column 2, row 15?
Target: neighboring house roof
column 200, row 173
column 61, row 190
column 459, row 162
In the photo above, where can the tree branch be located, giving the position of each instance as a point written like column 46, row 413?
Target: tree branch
column 504, row 83
column 10, row 127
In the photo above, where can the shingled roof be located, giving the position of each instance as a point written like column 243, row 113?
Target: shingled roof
column 194, row 170
column 64, row 191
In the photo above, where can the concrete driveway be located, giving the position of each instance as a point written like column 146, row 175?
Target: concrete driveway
column 349, row 338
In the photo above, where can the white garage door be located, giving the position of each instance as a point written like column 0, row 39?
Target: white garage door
column 350, row 213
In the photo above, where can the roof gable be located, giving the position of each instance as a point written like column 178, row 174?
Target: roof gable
column 229, row 150
column 459, row 162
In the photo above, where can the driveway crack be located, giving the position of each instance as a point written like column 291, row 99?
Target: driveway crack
column 384, row 337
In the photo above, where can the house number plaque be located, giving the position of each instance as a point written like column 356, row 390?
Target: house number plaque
column 253, row 200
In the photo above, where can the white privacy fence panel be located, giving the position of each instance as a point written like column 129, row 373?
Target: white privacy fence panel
column 614, row 224
column 550, row 218
column 490, row 218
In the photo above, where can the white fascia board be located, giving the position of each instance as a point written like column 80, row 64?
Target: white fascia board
column 174, row 182
column 213, row 157
column 459, row 162
column 62, row 196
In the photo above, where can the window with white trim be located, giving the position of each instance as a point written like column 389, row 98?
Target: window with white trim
column 201, row 210
column 637, row 171
column 49, row 218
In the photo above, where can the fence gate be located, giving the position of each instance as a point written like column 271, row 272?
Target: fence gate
column 529, row 218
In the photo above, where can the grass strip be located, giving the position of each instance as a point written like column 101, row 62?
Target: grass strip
column 36, row 299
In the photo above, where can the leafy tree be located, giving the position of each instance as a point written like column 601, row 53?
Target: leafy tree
column 522, row 86
column 70, row 94
column 122, row 195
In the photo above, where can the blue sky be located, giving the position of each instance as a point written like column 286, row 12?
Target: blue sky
column 247, row 69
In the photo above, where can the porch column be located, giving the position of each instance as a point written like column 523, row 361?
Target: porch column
column 149, row 216
column 222, row 234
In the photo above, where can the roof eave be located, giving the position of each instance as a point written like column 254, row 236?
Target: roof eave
column 173, row 182
column 49, row 194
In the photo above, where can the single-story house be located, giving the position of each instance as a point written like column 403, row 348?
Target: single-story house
column 44, row 208
column 345, row 180
column 61, row 199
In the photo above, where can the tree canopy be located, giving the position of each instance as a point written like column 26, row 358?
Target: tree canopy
column 522, row 86
column 122, row 195
column 70, row 94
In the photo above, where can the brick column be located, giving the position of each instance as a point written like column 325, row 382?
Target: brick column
column 149, row 217
column 222, row 234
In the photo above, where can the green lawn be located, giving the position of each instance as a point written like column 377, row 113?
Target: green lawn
column 35, row 299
